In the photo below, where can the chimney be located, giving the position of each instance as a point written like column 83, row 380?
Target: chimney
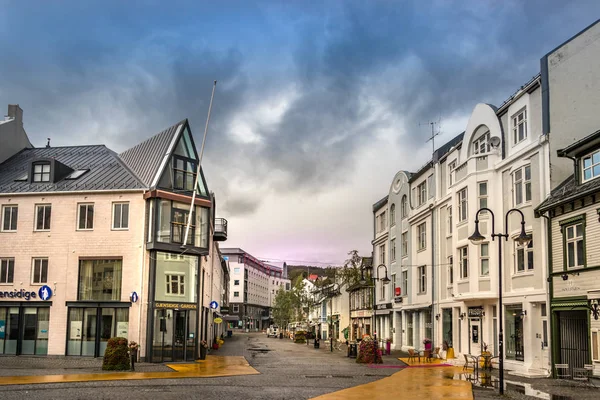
column 14, row 111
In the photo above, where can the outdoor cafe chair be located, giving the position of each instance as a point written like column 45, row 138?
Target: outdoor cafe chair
column 562, row 371
column 470, row 362
column 436, row 353
column 583, row 374
column 413, row 356
column 494, row 362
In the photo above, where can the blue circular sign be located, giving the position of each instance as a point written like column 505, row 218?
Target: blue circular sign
column 45, row 292
column 134, row 297
column 214, row 305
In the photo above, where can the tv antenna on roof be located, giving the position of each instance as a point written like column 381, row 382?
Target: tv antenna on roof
column 433, row 132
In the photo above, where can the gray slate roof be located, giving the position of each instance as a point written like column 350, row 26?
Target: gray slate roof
column 106, row 170
column 145, row 158
column 567, row 191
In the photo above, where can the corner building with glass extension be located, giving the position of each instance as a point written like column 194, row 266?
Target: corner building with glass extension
column 92, row 246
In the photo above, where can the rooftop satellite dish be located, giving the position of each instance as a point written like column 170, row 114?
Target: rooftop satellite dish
column 494, row 142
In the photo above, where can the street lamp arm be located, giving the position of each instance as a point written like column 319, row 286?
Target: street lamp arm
column 493, row 220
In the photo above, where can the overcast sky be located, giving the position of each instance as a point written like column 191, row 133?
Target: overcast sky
column 318, row 104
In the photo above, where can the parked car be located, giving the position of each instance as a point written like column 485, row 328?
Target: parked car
column 273, row 330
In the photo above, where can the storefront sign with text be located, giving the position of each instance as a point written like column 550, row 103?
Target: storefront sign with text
column 183, row 306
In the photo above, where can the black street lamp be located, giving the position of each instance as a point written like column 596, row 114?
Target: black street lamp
column 385, row 280
column 523, row 239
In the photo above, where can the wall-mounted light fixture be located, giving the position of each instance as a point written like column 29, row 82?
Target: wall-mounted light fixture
column 523, row 314
column 437, row 317
column 462, row 316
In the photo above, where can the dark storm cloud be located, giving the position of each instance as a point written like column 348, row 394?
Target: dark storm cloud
column 138, row 70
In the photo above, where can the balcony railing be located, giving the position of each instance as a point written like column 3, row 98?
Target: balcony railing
column 220, row 229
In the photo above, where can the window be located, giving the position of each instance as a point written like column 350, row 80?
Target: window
column 9, row 218
column 236, row 270
column 382, row 254
column 573, row 237
column 184, row 173
column 451, row 168
column 422, row 235
column 42, row 217
column 482, row 192
column 120, row 215
column 463, row 259
column 404, row 283
column 522, row 185
column 525, row 257
column 449, row 227
column 405, row 244
column 422, row 193
column 393, row 250
column 591, row 166
column 482, row 144
column 393, row 285
column 484, row 259
column 236, row 294
column 41, row 172
column 393, row 215
column 404, row 207
column 450, row 270
column 382, row 222
column 100, row 280
column 40, row 270
column 175, row 284
column 7, row 270
column 86, row 217
column 430, row 186
column 236, row 308
column 462, row 205
column 519, row 123
column 381, row 291
column 422, row 272
column 236, row 282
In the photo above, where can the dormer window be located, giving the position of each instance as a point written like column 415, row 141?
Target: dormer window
column 41, row 172
column 591, row 166
column 519, row 126
column 184, row 173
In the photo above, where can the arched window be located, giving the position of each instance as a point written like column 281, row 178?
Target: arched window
column 404, row 207
column 393, row 215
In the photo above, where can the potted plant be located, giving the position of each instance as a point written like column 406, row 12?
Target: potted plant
column 447, row 347
column 203, row 349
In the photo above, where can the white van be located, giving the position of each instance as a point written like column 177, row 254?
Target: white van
column 273, row 330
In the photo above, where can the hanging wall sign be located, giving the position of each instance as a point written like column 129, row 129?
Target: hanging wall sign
column 214, row 305
column 134, row 297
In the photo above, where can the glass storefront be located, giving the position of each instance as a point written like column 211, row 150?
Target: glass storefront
column 24, row 330
column 89, row 329
column 100, row 280
column 514, row 332
column 174, row 335
column 447, row 325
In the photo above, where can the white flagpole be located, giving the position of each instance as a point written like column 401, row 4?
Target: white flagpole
column 187, row 227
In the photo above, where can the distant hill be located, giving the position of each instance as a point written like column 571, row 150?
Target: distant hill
column 306, row 270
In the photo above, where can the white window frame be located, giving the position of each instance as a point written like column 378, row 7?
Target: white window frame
column 5, row 264
column 382, row 222
column 449, row 219
column 45, row 207
column 123, row 224
column 422, row 274
column 450, row 280
column 404, row 207
column 382, row 254
column 393, row 215
column 451, row 169
column 393, row 250
column 236, row 308
column 422, row 236
column 574, row 240
column 180, row 284
column 484, row 257
column 516, row 123
column 525, row 251
column 37, row 280
column 594, row 164
column 404, row 283
column 87, row 206
column 236, row 294
column 522, row 185
column 41, row 174
column 463, row 199
column 422, row 193
column 482, row 199
column 481, row 145
column 236, row 282
column 381, row 291
column 404, row 244
column 12, row 216
column 595, row 332
column 463, row 262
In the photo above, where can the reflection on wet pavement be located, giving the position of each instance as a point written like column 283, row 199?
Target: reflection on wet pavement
column 410, row 383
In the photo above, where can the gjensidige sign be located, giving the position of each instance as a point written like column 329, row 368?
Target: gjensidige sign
column 44, row 293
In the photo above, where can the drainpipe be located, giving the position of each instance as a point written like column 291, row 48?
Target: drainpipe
column 432, row 277
column 550, row 291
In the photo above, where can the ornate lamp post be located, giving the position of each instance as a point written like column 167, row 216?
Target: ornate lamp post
column 523, row 239
column 385, row 280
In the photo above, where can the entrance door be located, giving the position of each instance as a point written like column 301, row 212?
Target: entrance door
column 545, row 359
column 475, row 335
column 174, row 337
column 573, row 338
column 179, row 335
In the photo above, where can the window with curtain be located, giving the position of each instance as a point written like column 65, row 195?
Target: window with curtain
column 100, row 280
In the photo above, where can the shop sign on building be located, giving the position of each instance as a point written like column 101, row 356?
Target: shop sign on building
column 475, row 312
column 183, row 306
column 44, row 293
